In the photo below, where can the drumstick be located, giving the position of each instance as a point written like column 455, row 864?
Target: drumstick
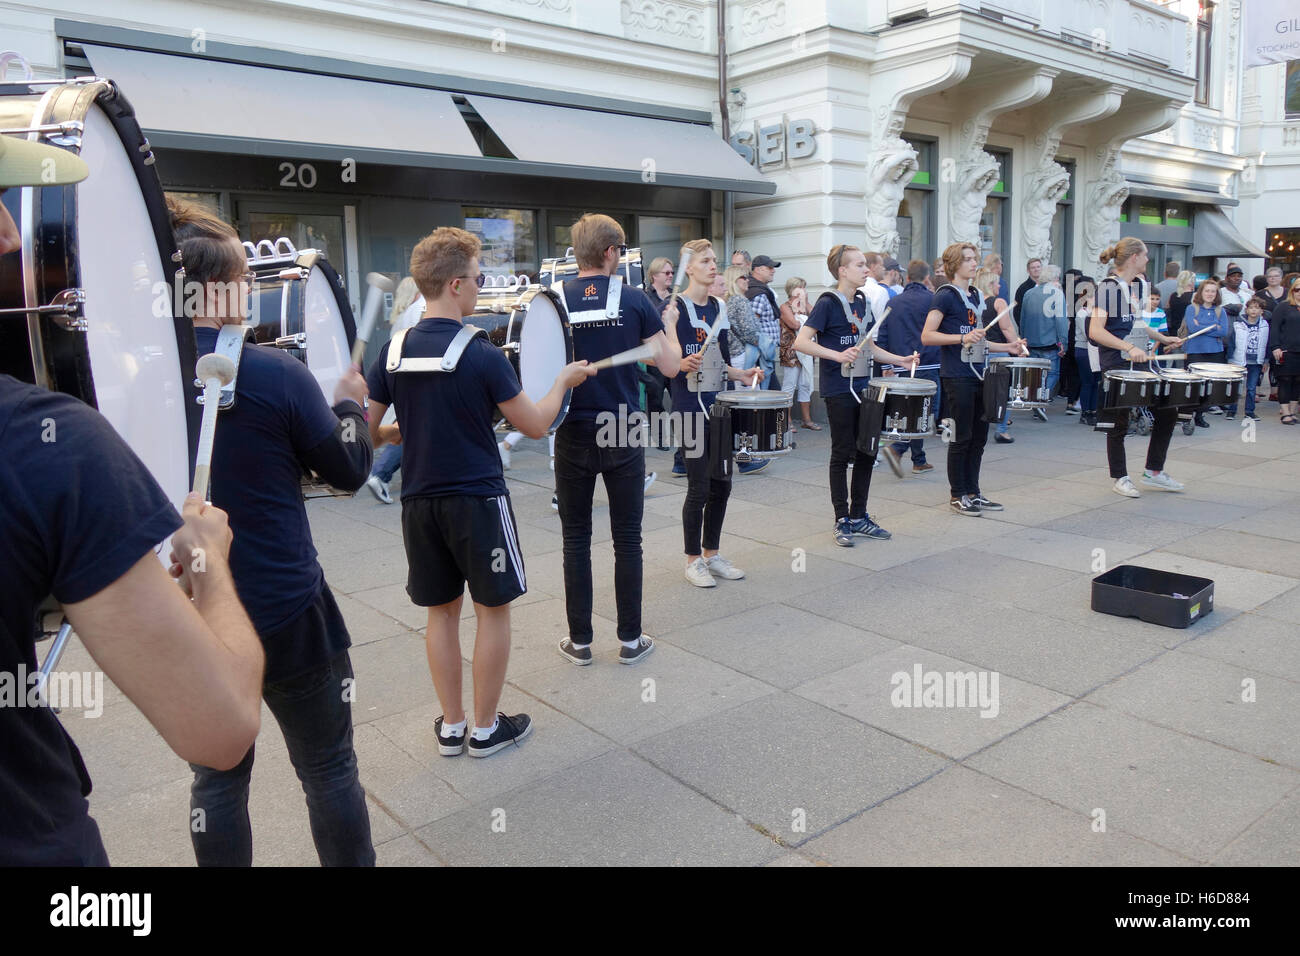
column 683, row 262
column 998, row 317
column 379, row 284
column 1208, row 328
column 214, row 371
column 642, row 353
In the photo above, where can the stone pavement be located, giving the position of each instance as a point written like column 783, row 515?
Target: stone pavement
column 761, row 730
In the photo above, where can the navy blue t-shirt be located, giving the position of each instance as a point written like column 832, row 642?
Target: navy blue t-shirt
column 78, row 510
column 448, row 446
column 257, row 465
column 1112, row 299
column 958, row 319
column 637, row 321
column 692, row 338
column 835, row 331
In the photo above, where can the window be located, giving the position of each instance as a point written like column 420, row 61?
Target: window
column 560, row 228
column 1283, row 248
column 662, row 236
column 916, row 213
column 1204, row 29
column 995, row 226
column 1063, row 224
column 1291, row 97
column 509, row 238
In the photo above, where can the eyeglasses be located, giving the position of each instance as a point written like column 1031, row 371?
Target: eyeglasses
column 478, row 279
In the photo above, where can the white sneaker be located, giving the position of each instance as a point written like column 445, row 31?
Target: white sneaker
column 720, row 567
column 1124, row 486
column 555, row 502
column 505, row 454
column 380, row 489
column 697, row 572
column 649, row 480
column 1161, row 481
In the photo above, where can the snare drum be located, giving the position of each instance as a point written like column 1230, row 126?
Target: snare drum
column 1130, row 388
column 1182, row 389
column 88, row 306
column 529, row 324
column 760, row 423
column 299, row 305
column 896, row 409
column 1028, row 380
column 1223, row 382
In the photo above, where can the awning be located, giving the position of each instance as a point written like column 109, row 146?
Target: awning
column 192, row 103
column 1180, row 193
column 615, row 146
column 1214, row 236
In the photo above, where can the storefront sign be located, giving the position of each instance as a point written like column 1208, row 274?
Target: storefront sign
column 769, row 145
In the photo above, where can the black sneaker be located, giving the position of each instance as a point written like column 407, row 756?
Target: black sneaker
column 630, row 655
column 579, row 654
column 965, row 506
column 869, row 529
column 1002, row 438
column 843, row 533
column 450, row 745
column 984, row 504
column 510, row 730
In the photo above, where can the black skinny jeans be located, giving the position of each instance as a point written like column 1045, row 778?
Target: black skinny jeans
column 578, row 460
column 963, row 403
column 842, row 413
column 1157, row 449
column 705, row 507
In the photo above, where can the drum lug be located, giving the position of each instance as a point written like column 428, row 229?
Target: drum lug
column 67, row 309
column 67, row 133
column 296, row 341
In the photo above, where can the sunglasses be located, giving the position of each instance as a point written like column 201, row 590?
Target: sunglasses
column 478, row 279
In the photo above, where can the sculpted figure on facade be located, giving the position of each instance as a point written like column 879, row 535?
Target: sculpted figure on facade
column 976, row 174
column 1044, row 187
column 890, row 168
column 1101, row 215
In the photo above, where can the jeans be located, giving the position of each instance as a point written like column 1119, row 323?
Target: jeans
column 387, row 463
column 578, row 461
column 1087, row 381
column 705, row 507
column 842, row 413
column 316, row 721
column 1157, row 448
column 1253, row 373
column 963, row 400
column 918, row 444
column 1049, row 351
column 764, row 355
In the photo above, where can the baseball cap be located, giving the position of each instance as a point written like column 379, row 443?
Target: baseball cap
column 765, row 261
column 1234, row 271
column 24, row 163
column 891, row 265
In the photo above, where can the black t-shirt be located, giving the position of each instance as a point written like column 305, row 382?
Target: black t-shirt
column 958, row 319
column 258, row 453
column 692, row 336
column 990, row 313
column 78, row 509
column 637, row 321
column 836, row 332
column 1117, row 303
column 448, row 446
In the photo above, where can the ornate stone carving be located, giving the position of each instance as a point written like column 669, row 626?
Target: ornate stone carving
column 890, row 167
column 1044, row 186
column 661, row 17
column 1106, row 195
column 763, row 16
column 976, row 174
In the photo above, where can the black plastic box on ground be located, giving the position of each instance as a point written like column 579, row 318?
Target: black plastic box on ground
column 1157, row 597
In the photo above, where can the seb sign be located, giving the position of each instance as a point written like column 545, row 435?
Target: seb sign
column 768, row 145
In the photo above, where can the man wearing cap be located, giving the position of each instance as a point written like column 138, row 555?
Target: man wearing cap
column 893, row 277
column 1232, row 291
column 763, row 300
column 82, row 517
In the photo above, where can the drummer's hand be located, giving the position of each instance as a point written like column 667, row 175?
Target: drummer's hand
column 575, row 373
column 912, row 361
column 669, row 314
column 205, row 536
column 351, row 386
column 1176, row 343
column 1135, row 354
column 850, row 355
column 390, row 434
column 751, row 376
column 974, row 335
column 691, row 363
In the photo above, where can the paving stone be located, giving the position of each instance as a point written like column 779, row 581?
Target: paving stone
column 1074, row 552
column 407, row 788
column 390, row 676
column 1241, row 550
column 406, row 850
column 1272, row 840
column 1234, row 587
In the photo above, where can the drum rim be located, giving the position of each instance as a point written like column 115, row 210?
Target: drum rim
column 1219, row 371
column 1131, row 375
column 1021, row 361
column 904, row 385
column 756, row 399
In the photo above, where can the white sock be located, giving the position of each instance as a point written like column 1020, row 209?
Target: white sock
column 454, row 730
column 631, row 645
column 513, row 439
column 483, row 733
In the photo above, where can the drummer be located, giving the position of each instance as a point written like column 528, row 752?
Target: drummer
column 831, row 334
column 1118, row 302
column 279, row 424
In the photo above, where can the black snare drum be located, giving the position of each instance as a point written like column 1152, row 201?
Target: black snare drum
column 760, row 423
column 895, row 409
column 1182, row 389
column 1028, row 377
column 1223, row 383
column 1130, row 388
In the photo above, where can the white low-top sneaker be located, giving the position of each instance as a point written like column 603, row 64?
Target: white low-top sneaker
column 697, row 572
column 379, row 488
column 1124, row 486
column 1161, row 481
column 720, row 567
column 504, row 449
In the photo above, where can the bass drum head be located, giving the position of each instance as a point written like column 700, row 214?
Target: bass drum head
column 329, row 346
column 545, row 346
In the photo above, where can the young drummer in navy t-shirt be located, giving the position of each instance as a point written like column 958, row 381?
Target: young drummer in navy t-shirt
column 457, row 523
column 954, row 325
column 580, row 455
column 832, row 336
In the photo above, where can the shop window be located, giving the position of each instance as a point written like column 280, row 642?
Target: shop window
column 210, row 200
column 1283, row 248
column 1150, row 213
column 917, row 211
column 509, row 238
column 1063, row 225
column 1178, row 215
column 560, row 229
column 664, row 236
column 995, row 227
column 1291, row 98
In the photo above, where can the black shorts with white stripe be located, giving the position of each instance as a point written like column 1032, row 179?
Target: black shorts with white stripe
column 455, row 539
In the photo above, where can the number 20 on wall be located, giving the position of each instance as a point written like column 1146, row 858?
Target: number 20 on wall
column 294, row 177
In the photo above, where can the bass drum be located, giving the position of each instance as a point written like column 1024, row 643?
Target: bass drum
column 88, row 303
column 531, row 326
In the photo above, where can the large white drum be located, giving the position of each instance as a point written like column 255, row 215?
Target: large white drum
column 530, row 324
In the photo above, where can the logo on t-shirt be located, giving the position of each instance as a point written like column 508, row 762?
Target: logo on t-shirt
column 590, row 290
column 699, row 335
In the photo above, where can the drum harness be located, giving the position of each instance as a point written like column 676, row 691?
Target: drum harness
column 850, row 370
column 719, row 324
column 969, row 352
column 447, row 362
column 230, row 343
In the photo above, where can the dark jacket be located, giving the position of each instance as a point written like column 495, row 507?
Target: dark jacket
column 1284, row 334
column 757, row 288
column 1020, row 298
column 900, row 333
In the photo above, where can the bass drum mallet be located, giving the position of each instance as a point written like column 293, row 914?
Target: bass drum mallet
column 213, row 371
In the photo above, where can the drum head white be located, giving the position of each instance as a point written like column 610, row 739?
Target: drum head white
column 134, row 357
column 328, row 355
column 543, row 347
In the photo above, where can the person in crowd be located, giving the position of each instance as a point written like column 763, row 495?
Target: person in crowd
column 876, row 294
column 937, row 274
column 901, row 334
column 1206, row 311
column 994, row 261
column 893, row 276
column 1033, row 268
column 662, row 273
column 1234, row 293
column 1153, row 315
column 1274, row 294
column 1176, row 305
column 742, row 258
column 766, row 311
column 796, row 367
column 1258, row 284
column 1001, row 332
column 1250, row 350
column 1284, row 346
column 408, row 306
column 1045, row 325
column 760, row 348
column 1170, row 283
column 1083, row 359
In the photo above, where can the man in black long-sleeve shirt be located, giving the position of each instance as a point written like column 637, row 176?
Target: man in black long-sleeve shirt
column 279, row 424
column 1033, row 267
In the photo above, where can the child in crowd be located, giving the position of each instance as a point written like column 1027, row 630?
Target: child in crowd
column 1250, row 349
column 1153, row 315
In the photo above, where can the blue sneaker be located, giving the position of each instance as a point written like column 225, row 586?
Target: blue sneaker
column 749, row 467
column 869, row 529
column 843, row 533
column 679, row 469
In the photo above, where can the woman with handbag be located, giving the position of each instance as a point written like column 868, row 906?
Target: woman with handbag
column 797, row 368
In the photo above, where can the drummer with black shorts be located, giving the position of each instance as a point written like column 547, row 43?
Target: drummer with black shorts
column 1118, row 302
column 457, row 522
